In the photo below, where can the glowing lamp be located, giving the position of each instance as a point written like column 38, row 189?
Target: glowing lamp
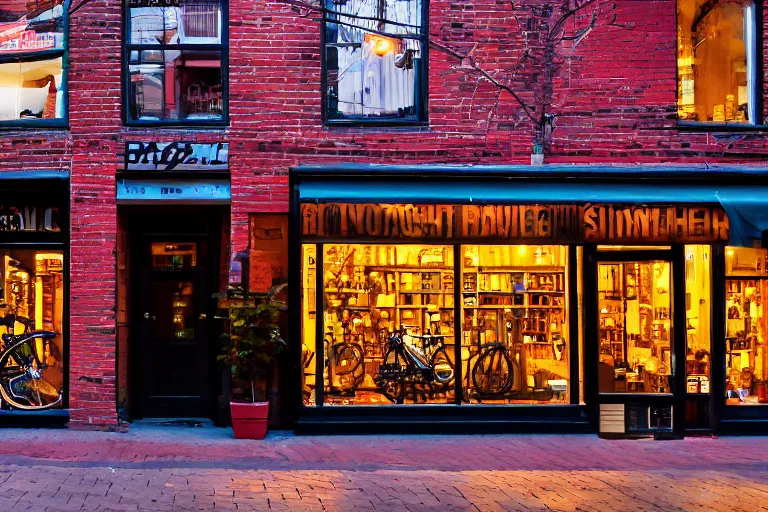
column 382, row 45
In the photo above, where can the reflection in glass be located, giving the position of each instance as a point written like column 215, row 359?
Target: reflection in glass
column 191, row 22
column 634, row 327
column 175, row 84
column 369, row 74
column 746, row 341
column 174, row 255
column 172, row 311
column 31, row 26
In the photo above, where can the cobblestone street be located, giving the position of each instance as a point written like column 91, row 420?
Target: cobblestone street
column 172, row 468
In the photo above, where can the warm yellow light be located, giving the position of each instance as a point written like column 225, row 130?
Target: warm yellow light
column 521, row 249
column 729, row 252
column 382, row 45
column 48, row 256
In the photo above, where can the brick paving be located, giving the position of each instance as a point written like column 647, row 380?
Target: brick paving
column 173, row 468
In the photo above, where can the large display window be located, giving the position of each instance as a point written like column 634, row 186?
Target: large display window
column 31, row 299
column 746, row 338
column 514, row 335
column 390, row 332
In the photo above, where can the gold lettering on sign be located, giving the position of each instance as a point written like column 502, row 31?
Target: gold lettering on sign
column 551, row 223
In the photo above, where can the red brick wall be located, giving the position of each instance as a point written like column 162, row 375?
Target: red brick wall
column 615, row 100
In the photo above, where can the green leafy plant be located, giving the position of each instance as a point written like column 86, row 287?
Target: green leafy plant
column 254, row 340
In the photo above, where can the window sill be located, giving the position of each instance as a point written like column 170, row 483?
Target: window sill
column 375, row 123
column 35, row 124
column 698, row 126
column 203, row 125
column 31, row 56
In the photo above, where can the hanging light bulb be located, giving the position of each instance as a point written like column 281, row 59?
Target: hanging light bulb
column 382, row 45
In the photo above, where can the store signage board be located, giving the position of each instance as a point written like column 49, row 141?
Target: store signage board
column 39, row 219
column 216, row 191
column 553, row 223
column 176, row 156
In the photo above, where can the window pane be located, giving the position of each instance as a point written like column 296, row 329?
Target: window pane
column 27, row 26
column 634, row 326
column 178, row 22
column 388, row 319
column 32, row 299
column 698, row 325
column 370, row 74
column 746, row 334
column 514, row 337
column 31, row 90
column 309, row 346
column 172, row 85
column 717, row 61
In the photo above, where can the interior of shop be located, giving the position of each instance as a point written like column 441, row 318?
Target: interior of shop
column 32, row 298
column 388, row 316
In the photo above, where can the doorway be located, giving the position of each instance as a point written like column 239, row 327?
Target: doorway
column 174, row 269
column 637, row 340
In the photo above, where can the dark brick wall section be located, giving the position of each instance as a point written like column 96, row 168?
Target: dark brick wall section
column 614, row 97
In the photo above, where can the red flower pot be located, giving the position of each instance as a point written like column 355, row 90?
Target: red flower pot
column 249, row 419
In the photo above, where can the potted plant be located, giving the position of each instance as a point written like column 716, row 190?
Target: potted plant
column 250, row 350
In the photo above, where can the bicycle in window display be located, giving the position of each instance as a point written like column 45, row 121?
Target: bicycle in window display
column 25, row 359
column 412, row 372
column 344, row 361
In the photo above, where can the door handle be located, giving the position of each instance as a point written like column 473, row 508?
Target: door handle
column 148, row 317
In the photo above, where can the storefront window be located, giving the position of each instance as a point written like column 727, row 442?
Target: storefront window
column 746, row 341
column 514, row 336
column 368, row 74
column 175, row 51
column 388, row 320
column 309, row 346
column 717, row 61
column 634, row 327
column 32, row 47
column 31, row 299
column 697, row 316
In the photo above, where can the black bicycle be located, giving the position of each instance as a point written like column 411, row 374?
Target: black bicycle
column 25, row 361
column 493, row 373
column 344, row 362
column 410, row 371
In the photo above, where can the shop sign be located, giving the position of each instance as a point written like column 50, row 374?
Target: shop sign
column 554, row 223
column 176, row 156
column 167, row 190
column 29, row 218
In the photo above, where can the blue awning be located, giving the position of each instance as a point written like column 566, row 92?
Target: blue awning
column 746, row 206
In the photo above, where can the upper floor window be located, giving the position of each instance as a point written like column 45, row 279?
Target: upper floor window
column 375, row 61
column 176, row 55
column 32, row 78
column 717, row 61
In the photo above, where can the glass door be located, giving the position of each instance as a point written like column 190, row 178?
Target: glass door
column 634, row 326
column 634, row 305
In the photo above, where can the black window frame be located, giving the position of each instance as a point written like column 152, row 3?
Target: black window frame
column 222, row 48
column 36, row 56
column 759, row 123
column 421, row 118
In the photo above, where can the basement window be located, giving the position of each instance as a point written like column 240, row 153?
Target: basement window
column 176, row 54
column 375, row 61
column 717, row 61
column 32, row 77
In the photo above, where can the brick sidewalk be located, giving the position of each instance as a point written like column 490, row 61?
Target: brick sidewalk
column 172, row 468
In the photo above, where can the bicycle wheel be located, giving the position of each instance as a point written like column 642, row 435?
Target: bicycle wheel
column 347, row 358
column 26, row 379
column 393, row 386
column 442, row 367
column 493, row 373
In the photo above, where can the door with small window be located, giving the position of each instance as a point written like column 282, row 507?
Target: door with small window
column 173, row 348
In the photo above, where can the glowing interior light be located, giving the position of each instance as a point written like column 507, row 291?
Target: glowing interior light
column 382, row 46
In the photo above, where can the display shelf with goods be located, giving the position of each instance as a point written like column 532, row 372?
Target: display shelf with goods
column 634, row 327
column 371, row 292
column 746, row 346
column 513, row 341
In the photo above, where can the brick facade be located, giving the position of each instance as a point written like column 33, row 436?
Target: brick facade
column 615, row 100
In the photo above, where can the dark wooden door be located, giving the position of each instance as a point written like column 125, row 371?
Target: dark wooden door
column 173, row 352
